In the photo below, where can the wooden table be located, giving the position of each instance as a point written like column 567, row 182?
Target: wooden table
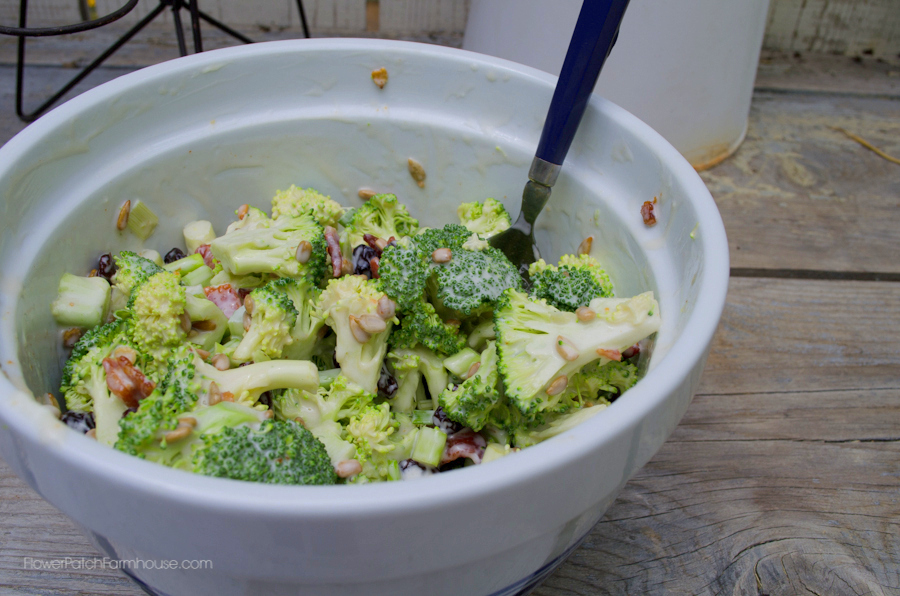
column 784, row 476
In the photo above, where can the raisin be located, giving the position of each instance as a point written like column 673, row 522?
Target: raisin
column 387, row 384
column 80, row 421
column 361, row 258
column 443, row 422
column 176, row 254
column 106, row 267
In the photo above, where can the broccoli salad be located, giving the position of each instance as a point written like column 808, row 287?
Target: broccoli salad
column 322, row 344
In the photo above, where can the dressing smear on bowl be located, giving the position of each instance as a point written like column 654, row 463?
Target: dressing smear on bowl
column 318, row 344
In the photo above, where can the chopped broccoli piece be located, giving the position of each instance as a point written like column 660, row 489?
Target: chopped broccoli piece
column 208, row 321
column 271, row 322
column 83, row 377
column 157, row 306
column 471, row 402
column 304, row 295
column 410, row 365
column 142, row 220
column 540, row 347
column 350, row 304
column 574, row 283
column 421, row 325
column 473, row 280
column 280, row 452
column 452, row 236
column 81, row 301
column 295, row 201
column 131, row 271
column 403, row 271
column 270, row 246
column 383, row 216
column 197, row 233
column 486, row 219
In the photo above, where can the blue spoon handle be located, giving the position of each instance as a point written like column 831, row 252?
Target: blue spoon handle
column 593, row 38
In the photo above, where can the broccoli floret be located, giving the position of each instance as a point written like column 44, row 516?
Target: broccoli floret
column 158, row 413
column 383, row 216
column 157, row 307
column 382, row 439
column 209, row 323
column 247, row 383
column 270, row 246
column 304, row 295
column 574, row 283
column 486, row 219
column 295, row 201
column 554, row 425
column 410, row 365
column 271, row 320
column 421, row 325
column 323, row 410
column 452, row 236
column 471, row 402
column 131, row 271
column 81, row 301
column 473, row 280
column 350, row 304
column 541, row 347
column 280, row 452
column 598, row 381
column 403, row 271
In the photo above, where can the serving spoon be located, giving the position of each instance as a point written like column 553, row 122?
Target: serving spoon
column 594, row 35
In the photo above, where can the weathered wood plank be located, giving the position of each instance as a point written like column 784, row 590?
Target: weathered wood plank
column 806, row 335
column 799, row 195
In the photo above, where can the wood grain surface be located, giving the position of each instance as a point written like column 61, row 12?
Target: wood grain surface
column 783, row 478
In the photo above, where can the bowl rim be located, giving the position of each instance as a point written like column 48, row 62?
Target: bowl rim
column 474, row 482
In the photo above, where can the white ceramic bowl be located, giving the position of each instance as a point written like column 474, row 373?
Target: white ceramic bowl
column 197, row 137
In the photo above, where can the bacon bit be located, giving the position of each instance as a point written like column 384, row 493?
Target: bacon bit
column 225, row 297
column 648, row 212
column 373, row 242
column 465, row 443
column 334, row 251
column 206, row 252
column 611, row 354
column 373, row 267
column 126, row 382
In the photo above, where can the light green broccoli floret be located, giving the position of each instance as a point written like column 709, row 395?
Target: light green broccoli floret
column 599, row 381
column 574, row 283
column 271, row 321
column 295, row 201
column 486, row 219
column 350, row 304
column 280, row 452
column 410, row 365
column 383, row 216
column 541, row 347
column 131, row 271
column 157, row 306
column 158, row 413
column 81, row 301
column 470, row 403
column 304, row 295
column 473, row 280
column 555, row 424
column 270, row 246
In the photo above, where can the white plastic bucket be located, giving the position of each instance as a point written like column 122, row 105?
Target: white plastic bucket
column 685, row 67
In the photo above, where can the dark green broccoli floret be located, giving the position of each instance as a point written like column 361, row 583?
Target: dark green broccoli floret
column 271, row 322
column 473, row 279
column 270, row 246
column 420, row 325
column 471, row 402
column 95, row 345
column 574, row 283
column 304, row 295
column 280, row 452
column 403, row 271
column 451, row 236
column 383, row 216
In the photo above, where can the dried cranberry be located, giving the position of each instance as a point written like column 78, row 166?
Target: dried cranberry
column 443, row 422
column 106, row 266
column 80, row 421
column 387, row 384
column 360, row 260
column 631, row 352
column 176, row 254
